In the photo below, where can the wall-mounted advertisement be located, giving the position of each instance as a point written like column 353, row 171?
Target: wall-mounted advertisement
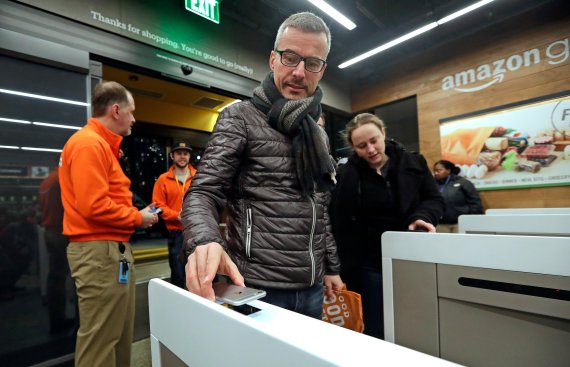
column 521, row 145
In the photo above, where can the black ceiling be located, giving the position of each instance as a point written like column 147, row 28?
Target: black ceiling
column 380, row 21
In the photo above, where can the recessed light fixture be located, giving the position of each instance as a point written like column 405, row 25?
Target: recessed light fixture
column 388, row 45
column 42, row 149
column 60, row 126
column 47, row 98
column 47, row 124
column 333, row 13
column 414, row 33
column 14, row 120
column 12, row 147
column 463, row 11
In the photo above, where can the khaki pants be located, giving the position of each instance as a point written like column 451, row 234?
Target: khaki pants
column 447, row 228
column 106, row 307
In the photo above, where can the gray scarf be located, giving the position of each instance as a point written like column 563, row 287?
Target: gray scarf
column 296, row 119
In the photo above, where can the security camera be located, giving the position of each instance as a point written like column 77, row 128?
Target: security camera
column 186, row 69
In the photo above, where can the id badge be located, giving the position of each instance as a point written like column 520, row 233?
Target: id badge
column 123, row 272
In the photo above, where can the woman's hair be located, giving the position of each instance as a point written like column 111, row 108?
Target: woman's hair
column 359, row 120
column 450, row 166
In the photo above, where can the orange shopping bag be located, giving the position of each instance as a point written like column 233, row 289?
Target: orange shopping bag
column 344, row 308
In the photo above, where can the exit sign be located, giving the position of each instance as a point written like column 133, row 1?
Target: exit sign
column 209, row 9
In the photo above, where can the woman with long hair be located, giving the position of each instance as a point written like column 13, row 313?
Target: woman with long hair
column 381, row 188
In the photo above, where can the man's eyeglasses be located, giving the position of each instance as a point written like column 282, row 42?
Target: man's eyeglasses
column 292, row 59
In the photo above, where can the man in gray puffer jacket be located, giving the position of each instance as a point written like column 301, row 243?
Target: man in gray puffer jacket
column 268, row 163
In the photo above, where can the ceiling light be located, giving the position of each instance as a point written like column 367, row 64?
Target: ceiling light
column 61, row 126
column 57, row 125
column 333, row 13
column 14, row 120
column 229, row 104
column 463, row 11
column 414, row 33
column 9, row 147
column 42, row 149
column 388, row 45
column 47, row 98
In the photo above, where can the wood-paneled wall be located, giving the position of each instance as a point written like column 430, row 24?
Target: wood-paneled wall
column 435, row 103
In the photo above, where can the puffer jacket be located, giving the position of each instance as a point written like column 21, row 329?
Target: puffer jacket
column 461, row 197
column 277, row 237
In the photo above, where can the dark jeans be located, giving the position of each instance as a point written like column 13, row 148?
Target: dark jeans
column 177, row 273
column 368, row 282
column 308, row 302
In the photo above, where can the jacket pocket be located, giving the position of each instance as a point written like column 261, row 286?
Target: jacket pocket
column 248, row 231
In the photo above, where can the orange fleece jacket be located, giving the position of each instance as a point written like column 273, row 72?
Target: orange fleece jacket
column 168, row 194
column 96, row 194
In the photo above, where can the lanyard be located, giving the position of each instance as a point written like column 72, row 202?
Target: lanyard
column 443, row 185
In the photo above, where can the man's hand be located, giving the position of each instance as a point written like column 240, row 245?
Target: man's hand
column 421, row 225
column 332, row 282
column 148, row 218
column 203, row 265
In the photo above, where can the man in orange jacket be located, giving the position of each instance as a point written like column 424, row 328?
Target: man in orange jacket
column 168, row 194
column 99, row 218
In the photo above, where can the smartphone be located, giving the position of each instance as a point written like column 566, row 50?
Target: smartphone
column 157, row 211
column 235, row 295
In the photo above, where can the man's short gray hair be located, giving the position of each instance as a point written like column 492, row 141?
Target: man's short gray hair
column 306, row 22
column 107, row 93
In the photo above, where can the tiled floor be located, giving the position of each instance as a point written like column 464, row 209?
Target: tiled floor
column 140, row 355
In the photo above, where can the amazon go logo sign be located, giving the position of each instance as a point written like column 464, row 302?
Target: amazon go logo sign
column 484, row 76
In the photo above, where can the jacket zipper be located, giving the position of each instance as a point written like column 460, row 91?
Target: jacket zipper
column 249, row 224
column 313, row 269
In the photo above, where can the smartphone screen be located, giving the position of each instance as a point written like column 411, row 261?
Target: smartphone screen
column 235, row 295
column 156, row 211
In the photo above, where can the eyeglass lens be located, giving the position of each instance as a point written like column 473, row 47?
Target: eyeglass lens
column 312, row 64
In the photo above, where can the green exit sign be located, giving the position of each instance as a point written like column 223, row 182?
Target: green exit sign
column 209, row 9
